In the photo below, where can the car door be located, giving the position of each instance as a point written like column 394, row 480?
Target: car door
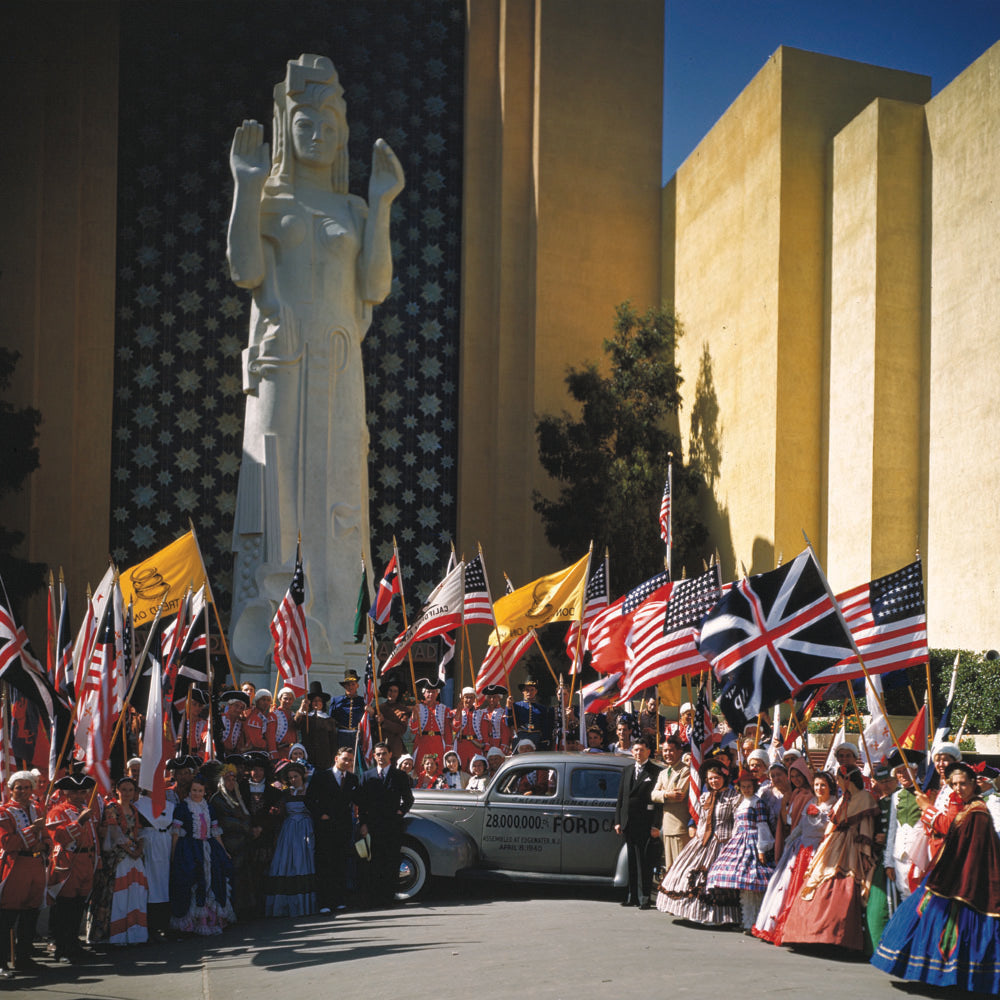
column 587, row 826
column 521, row 811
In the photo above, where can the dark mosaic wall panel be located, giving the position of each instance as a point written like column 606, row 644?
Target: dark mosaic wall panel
column 189, row 74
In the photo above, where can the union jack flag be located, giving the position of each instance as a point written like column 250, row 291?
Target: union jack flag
column 389, row 586
column 771, row 634
column 292, row 656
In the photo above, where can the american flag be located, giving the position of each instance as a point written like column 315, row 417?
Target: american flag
column 702, row 739
column 665, row 526
column 507, row 654
column 662, row 640
column 99, row 697
column 478, row 606
column 888, row 621
column 609, row 629
column 595, row 600
column 771, row 634
column 389, row 586
column 292, row 656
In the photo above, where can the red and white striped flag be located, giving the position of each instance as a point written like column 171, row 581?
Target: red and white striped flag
column 666, row 532
column 292, row 656
column 98, row 702
column 500, row 660
column 477, row 606
column 661, row 641
column 595, row 600
column 702, row 741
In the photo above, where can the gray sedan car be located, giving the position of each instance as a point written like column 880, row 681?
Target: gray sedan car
column 544, row 816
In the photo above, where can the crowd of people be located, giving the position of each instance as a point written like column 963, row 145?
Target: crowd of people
column 900, row 866
column 291, row 817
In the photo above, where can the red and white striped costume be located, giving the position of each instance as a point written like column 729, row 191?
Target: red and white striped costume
column 432, row 727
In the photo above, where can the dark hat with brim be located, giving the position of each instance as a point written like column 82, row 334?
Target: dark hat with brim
column 528, row 682
column 316, row 691
column 495, row 689
column 75, row 783
column 430, row 684
column 911, row 756
column 391, row 680
column 179, row 763
column 713, row 764
column 961, row 765
column 285, row 766
column 256, row 758
column 241, row 696
column 350, row 677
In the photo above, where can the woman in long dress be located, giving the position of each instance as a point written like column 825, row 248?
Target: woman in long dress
column 234, row 821
column 199, row 868
column 291, row 880
column 683, row 892
column 830, row 907
column 740, row 868
column 947, row 933
column 803, row 825
column 118, row 906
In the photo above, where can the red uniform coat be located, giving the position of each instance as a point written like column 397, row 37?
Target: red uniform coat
column 22, row 859
column 76, row 855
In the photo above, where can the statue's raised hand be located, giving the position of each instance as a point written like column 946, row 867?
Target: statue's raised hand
column 387, row 178
column 250, row 156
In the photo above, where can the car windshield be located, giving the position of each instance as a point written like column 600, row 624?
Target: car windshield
column 530, row 781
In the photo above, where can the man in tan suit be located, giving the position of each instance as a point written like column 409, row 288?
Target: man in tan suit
column 671, row 791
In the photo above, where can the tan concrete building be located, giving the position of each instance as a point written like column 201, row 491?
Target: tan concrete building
column 831, row 249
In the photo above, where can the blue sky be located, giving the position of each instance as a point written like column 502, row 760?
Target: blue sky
column 714, row 48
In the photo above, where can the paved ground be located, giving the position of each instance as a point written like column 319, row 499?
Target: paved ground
column 468, row 942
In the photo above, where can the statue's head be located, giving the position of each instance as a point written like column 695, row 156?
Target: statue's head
column 310, row 123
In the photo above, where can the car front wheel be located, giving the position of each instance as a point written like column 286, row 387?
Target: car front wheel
column 414, row 873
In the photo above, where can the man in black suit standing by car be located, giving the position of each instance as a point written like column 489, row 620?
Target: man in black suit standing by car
column 637, row 819
column 330, row 798
column 384, row 798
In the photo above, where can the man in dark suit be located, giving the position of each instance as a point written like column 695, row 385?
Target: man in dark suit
column 384, row 798
column 637, row 819
column 331, row 796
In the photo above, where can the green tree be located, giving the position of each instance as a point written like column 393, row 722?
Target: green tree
column 612, row 461
column 18, row 459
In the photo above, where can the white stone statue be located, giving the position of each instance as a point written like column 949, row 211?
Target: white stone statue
column 316, row 259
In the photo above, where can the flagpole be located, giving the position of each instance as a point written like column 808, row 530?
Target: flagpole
column 406, row 624
column 371, row 653
column 583, row 611
column 670, row 515
column 861, row 728
column 211, row 600
column 861, row 661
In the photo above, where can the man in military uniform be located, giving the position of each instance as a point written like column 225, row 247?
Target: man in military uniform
column 347, row 710
column 531, row 720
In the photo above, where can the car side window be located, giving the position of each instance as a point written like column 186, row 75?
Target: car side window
column 595, row 783
column 534, row 781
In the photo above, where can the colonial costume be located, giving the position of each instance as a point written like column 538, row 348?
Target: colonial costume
column 947, row 933
column 291, row 878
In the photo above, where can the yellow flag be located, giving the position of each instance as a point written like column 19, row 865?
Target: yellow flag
column 554, row 598
column 671, row 691
column 169, row 573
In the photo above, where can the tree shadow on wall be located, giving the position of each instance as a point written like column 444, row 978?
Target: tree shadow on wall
column 705, row 455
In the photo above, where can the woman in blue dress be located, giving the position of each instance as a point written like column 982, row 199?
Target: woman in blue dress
column 947, row 932
column 200, row 868
column 291, row 881
column 740, row 866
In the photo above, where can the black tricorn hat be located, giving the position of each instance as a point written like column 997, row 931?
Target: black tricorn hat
column 75, row 783
column 495, row 689
column 240, row 696
column 178, row 763
column 255, row 758
column 316, row 691
column 430, row 684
